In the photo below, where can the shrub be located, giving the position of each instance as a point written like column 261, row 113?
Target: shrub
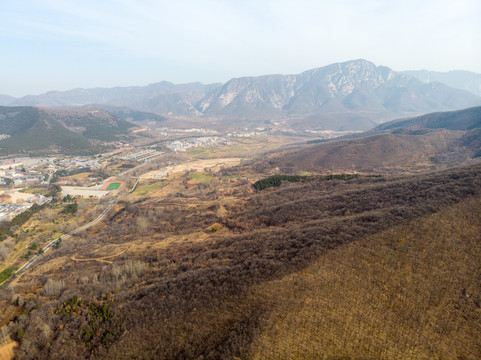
column 276, row 180
column 70, row 209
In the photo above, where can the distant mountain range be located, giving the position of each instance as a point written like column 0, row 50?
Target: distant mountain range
column 161, row 98
column 126, row 113
column 354, row 95
column 31, row 129
column 458, row 79
column 5, row 100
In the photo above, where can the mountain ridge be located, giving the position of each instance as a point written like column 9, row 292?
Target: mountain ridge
column 311, row 98
column 6, row 99
column 459, row 79
column 27, row 129
column 466, row 119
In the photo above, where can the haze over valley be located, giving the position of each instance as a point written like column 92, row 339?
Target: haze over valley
column 353, row 95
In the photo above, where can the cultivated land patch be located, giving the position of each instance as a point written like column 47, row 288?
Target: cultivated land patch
column 147, row 188
column 250, row 146
column 113, row 185
column 200, row 177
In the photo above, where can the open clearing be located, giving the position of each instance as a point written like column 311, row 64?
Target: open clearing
column 83, row 191
column 7, row 351
column 101, row 259
column 200, row 177
column 143, row 189
column 16, row 196
column 214, row 164
column 79, row 176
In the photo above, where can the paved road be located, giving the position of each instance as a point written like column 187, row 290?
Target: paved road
column 135, row 186
column 86, row 226
column 50, row 176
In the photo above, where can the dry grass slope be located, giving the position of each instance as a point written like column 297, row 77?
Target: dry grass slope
column 380, row 153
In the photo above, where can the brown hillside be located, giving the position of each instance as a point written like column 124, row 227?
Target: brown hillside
column 191, row 281
column 380, row 153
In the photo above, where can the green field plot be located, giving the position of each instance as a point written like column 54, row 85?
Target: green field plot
column 114, row 186
column 146, row 188
column 200, row 177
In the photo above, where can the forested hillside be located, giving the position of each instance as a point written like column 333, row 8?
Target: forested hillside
column 31, row 129
column 199, row 278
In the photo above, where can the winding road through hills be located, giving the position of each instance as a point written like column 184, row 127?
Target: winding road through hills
column 83, row 227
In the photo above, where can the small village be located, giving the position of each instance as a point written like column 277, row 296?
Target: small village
column 25, row 181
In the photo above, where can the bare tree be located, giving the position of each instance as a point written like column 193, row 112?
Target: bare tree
column 143, row 224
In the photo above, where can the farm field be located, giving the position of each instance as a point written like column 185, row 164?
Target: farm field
column 248, row 147
column 148, row 187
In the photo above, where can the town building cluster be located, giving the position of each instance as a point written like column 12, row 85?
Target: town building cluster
column 185, row 144
column 20, row 178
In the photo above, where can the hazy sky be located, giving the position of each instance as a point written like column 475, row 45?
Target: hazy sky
column 63, row 44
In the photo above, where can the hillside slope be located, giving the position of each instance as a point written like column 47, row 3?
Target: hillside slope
column 426, row 142
column 162, row 97
column 466, row 119
column 6, row 100
column 410, row 291
column 176, row 289
column 26, row 129
column 379, row 153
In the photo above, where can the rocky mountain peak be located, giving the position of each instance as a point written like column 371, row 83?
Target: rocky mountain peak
column 352, row 89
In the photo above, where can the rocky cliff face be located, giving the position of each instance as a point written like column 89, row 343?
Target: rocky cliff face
column 354, row 86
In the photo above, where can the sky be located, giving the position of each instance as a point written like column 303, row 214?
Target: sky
column 64, row 44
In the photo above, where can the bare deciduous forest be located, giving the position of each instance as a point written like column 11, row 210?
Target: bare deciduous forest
column 360, row 267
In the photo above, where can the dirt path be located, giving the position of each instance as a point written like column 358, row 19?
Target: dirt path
column 100, row 259
column 31, row 225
